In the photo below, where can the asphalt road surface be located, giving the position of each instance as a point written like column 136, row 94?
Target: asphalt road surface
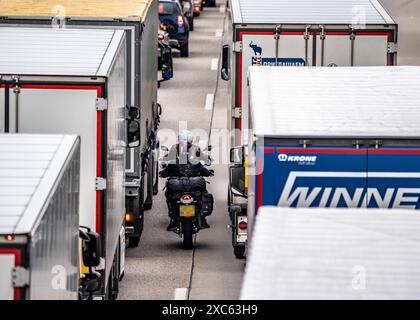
column 159, row 268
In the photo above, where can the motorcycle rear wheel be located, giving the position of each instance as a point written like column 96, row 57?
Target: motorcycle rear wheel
column 187, row 231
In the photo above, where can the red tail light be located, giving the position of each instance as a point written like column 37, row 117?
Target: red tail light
column 243, row 225
column 161, row 36
column 186, row 197
column 10, row 237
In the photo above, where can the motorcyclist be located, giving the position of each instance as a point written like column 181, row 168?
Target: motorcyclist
column 183, row 160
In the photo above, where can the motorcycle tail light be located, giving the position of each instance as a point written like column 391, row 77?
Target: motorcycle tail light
column 161, row 36
column 186, row 197
column 243, row 225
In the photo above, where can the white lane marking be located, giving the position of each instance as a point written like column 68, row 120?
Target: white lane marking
column 223, row 8
column 214, row 64
column 209, row 101
column 219, row 33
column 181, row 294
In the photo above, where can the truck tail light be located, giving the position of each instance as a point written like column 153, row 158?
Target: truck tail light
column 129, row 217
column 243, row 225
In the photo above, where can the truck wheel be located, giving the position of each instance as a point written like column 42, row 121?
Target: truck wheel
column 148, row 204
column 185, row 50
column 187, row 230
column 239, row 252
column 156, row 173
column 133, row 242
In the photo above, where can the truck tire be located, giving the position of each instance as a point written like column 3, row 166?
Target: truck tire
column 156, row 173
column 148, row 204
column 133, row 242
column 239, row 252
column 187, row 232
column 185, row 50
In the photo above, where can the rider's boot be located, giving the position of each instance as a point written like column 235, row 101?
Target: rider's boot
column 204, row 223
column 172, row 225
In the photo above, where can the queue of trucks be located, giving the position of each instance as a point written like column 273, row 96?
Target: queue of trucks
column 89, row 69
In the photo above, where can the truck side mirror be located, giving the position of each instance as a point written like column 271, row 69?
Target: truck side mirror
column 237, row 180
column 226, row 62
column 133, row 133
column 237, row 155
column 167, row 64
column 91, row 248
column 133, row 112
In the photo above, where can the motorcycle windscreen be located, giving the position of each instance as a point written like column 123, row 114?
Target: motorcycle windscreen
column 394, row 178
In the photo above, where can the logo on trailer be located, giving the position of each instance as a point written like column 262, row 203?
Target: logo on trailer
column 352, row 190
column 258, row 60
column 296, row 158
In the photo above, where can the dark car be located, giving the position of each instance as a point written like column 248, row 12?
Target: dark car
column 209, row 3
column 173, row 21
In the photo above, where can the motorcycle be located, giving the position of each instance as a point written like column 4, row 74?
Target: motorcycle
column 188, row 203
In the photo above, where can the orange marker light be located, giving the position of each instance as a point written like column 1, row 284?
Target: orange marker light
column 129, row 217
column 10, row 237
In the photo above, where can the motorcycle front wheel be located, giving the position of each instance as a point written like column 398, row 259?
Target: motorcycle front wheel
column 187, row 233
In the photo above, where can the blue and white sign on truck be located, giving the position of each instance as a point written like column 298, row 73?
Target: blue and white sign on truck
column 331, row 138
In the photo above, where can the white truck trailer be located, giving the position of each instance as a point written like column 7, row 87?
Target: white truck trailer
column 39, row 217
column 330, row 254
column 327, row 137
column 332, row 33
column 140, row 20
column 67, row 81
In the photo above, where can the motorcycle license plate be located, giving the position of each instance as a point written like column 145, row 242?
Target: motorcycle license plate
column 187, row 211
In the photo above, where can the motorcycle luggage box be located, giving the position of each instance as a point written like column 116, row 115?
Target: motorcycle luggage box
column 183, row 184
column 208, row 203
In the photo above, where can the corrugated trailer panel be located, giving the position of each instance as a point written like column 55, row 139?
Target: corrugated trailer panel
column 39, row 210
column 111, row 9
column 342, row 102
column 310, row 12
column 334, row 254
column 69, row 51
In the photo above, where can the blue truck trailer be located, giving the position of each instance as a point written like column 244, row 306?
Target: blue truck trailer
column 328, row 138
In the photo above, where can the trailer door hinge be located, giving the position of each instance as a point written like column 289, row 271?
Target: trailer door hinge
column 20, row 277
column 100, row 184
column 101, row 104
column 236, row 113
column 392, row 47
column 237, row 46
